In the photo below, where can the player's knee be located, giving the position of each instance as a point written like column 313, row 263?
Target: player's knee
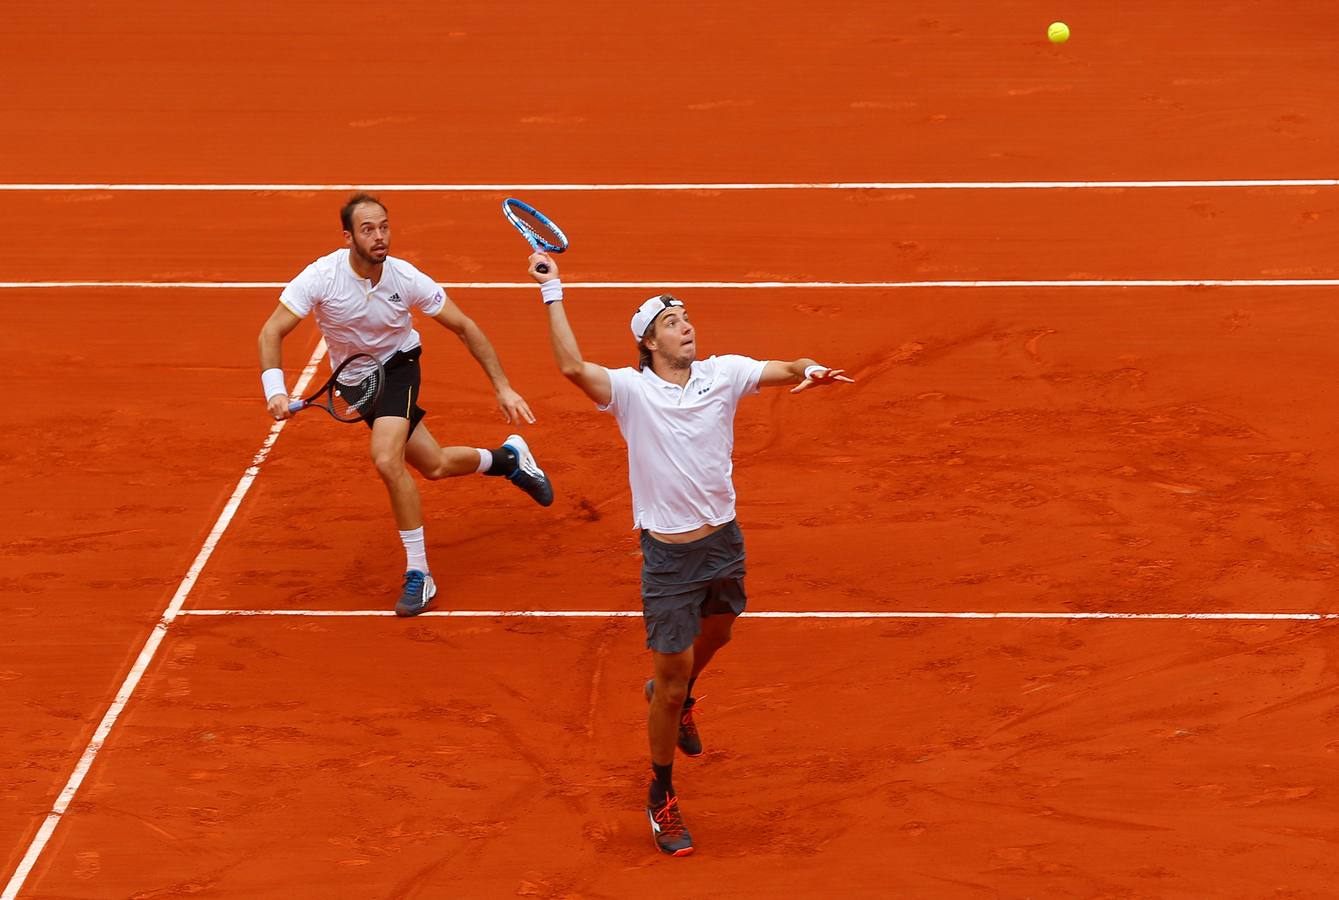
column 435, row 473
column 671, row 692
column 389, row 465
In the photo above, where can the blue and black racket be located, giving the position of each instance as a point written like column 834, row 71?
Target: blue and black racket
column 535, row 227
column 352, row 392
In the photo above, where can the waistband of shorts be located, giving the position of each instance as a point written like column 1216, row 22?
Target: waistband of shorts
column 403, row 357
column 691, row 545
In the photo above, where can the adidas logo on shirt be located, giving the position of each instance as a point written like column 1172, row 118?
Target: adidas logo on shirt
column 395, row 298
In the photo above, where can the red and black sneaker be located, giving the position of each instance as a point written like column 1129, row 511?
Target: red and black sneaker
column 667, row 828
column 690, row 742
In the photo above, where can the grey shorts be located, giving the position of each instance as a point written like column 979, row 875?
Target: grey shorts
column 682, row 583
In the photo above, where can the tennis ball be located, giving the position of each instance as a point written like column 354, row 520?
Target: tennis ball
column 1058, row 32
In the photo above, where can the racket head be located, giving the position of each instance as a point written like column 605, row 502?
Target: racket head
column 352, row 391
column 534, row 226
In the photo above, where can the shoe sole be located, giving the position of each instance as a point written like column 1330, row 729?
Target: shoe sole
column 406, row 613
column 650, row 690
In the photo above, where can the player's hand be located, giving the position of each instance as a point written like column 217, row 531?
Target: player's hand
column 825, row 376
column 538, row 257
column 514, row 408
column 277, row 406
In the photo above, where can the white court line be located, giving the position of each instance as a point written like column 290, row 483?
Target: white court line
column 835, row 614
column 741, row 285
column 692, row 186
column 151, row 645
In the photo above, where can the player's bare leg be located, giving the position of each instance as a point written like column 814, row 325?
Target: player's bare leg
column 715, row 634
column 435, row 461
column 662, row 724
column 389, row 438
column 513, row 460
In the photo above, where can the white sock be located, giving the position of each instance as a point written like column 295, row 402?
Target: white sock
column 485, row 461
column 416, row 555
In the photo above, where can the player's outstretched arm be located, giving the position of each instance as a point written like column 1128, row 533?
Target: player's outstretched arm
column 270, row 343
column 803, row 373
column 513, row 405
column 592, row 379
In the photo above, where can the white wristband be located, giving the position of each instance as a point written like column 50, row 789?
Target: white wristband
column 272, row 380
column 810, row 371
column 551, row 291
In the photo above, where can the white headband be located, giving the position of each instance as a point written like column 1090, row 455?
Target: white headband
column 647, row 312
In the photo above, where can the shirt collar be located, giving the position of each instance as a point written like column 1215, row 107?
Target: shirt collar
column 693, row 374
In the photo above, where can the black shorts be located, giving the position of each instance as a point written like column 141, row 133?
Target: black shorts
column 683, row 583
column 399, row 396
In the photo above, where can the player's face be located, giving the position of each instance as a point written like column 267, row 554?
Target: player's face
column 674, row 339
column 371, row 235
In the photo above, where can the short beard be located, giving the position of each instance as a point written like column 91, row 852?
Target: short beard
column 368, row 258
column 677, row 362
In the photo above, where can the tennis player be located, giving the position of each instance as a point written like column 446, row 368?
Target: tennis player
column 677, row 413
column 362, row 298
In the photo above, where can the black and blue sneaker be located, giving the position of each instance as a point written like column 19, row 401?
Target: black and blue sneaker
column 419, row 589
column 528, row 476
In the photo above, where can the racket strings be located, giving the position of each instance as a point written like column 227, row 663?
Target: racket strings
column 547, row 233
column 350, row 401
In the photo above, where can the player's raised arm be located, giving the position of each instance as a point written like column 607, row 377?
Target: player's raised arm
column 592, row 379
column 270, row 343
column 803, row 373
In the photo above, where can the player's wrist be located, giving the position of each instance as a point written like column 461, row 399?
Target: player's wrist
column 551, row 291
column 272, row 382
column 811, row 371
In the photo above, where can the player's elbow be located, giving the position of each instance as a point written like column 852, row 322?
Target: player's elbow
column 573, row 370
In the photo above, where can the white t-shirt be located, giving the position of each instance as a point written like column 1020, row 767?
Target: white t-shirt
column 680, row 440
column 357, row 317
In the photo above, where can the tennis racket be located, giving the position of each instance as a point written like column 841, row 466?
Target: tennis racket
column 351, row 393
column 536, row 228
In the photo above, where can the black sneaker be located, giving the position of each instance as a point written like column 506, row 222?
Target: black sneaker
column 667, row 828
column 528, row 476
column 690, row 742
column 419, row 589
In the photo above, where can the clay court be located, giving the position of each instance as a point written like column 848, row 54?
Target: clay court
column 1041, row 606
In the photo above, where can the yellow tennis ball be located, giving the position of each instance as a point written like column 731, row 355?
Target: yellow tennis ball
column 1058, row 32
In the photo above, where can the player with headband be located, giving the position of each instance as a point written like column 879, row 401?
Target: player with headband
column 676, row 413
column 362, row 299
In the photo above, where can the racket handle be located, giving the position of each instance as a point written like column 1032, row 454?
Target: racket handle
column 542, row 268
column 296, row 405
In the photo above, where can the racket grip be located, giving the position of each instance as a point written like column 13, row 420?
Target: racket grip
column 296, row 405
column 542, row 268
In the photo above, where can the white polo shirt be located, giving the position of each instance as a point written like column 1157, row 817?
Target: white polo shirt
column 680, row 440
column 358, row 317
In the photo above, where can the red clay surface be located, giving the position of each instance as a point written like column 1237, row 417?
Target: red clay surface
column 1120, row 450
column 350, row 759
column 937, row 235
